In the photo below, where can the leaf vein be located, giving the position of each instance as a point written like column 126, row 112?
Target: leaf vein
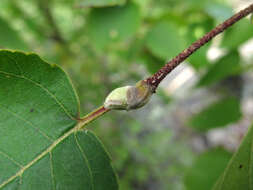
column 28, row 122
column 49, row 149
column 20, row 182
column 80, row 124
column 52, row 170
column 43, row 88
column 86, row 161
column 19, row 68
column 11, row 159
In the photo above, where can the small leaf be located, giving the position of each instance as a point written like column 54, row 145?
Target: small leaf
column 206, row 169
column 218, row 114
column 40, row 146
column 101, row 3
column 226, row 66
column 9, row 38
column 239, row 33
column 106, row 25
column 164, row 40
column 238, row 174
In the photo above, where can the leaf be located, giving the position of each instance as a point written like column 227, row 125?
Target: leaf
column 218, row 114
column 106, row 25
column 101, row 3
column 206, row 169
column 226, row 66
column 241, row 32
column 9, row 38
column 238, row 174
column 164, row 41
column 41, row 147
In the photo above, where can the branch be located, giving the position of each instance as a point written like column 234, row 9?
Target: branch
column 92, row 116
column 134, row 97
column 155, row 79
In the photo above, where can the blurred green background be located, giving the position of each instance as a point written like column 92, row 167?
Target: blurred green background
column 183, row 139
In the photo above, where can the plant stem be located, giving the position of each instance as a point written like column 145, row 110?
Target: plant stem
column 155, row 79
column 92, row 116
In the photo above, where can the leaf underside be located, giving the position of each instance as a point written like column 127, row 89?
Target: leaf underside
column 38, row 106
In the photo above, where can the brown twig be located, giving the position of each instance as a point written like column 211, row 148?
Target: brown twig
column 155, row 79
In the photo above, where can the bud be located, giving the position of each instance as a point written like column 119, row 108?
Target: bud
column 117, row 99
column 129, row 97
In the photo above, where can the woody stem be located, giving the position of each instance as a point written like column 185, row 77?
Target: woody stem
column 156, row 78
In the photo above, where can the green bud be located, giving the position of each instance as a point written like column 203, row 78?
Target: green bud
column 117, row 99
column 129, row 97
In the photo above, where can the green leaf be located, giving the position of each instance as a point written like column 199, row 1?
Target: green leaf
column 238, row 174
column 41, row 147
column 164, row 40
column 106, row 25
column 218, row 114
column 101, row 3
column 226, row 66
column 239, row 33
column 206, row 169
column 9, row 38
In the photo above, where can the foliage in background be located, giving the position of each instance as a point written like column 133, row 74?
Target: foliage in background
column 103, row 45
